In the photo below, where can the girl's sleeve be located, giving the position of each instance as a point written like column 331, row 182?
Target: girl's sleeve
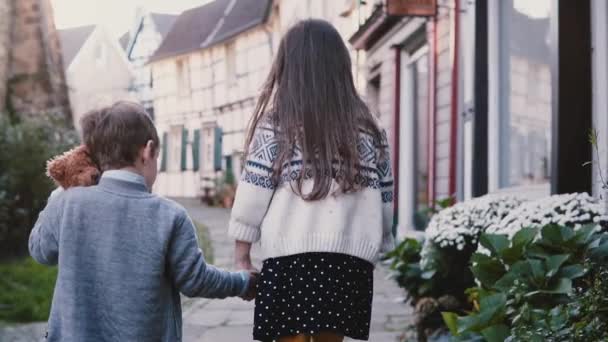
column 256, row 187
column 387, row 191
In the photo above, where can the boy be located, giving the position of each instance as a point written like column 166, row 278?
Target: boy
column 124, row 254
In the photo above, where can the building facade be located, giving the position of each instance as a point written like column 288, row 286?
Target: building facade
column 91, row 53
column 487, row 96
column 140, row 43
column 207, row 77
column 205, row 80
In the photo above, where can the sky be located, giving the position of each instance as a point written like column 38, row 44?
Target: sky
column 116, row 15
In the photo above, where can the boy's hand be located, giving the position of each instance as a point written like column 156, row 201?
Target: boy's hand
column 252, row 288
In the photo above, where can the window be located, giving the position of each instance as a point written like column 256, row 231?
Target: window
column 524, row 94
column 183, row 77
column 175, row 147
column 413, row 138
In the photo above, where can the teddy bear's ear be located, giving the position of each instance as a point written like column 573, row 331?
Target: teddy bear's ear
column 56, row 169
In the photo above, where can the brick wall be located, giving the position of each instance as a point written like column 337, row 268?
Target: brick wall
column 36, row 82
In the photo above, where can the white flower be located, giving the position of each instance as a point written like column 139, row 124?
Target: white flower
column 572, row 210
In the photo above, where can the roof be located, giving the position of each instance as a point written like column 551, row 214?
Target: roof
column 72, row 40
column 374, row 28
column 124, row 40
column 211, row 24
column 529, row 36
column 163, row 22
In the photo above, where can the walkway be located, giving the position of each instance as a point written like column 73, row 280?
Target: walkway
column 231, row 320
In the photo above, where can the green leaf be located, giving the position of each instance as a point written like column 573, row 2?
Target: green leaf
column 537, row 268
column 584, row 234
column 496, row 333
column 488, row 271
column 451, row 321
column 554, row 262
column 556, row 234
column 561, row 286
column 494, row 242
column 524, row 237
column 599, row 252
column 572, row 271
column 491, row 308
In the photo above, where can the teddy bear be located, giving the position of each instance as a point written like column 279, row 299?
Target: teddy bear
column 73, row 168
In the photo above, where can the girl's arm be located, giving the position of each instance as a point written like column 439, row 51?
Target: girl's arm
column 253, row 194
column 387, row 192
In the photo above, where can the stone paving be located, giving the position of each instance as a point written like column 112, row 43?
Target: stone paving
column 231, row 320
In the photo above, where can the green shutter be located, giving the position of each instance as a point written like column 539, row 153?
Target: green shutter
column 217, row 144
column 164, row 147
column 196, row 155
column 184, row 163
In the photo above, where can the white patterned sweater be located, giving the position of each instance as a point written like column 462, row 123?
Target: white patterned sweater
column 357, row 224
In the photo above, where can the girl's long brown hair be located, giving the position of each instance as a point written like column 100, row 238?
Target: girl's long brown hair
column 311, row 100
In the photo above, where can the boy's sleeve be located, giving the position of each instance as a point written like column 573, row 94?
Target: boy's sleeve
column 192, row 275
column 387, row 190
column 44, row 237
column 256, row 187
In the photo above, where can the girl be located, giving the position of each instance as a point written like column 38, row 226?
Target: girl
column 317, row 191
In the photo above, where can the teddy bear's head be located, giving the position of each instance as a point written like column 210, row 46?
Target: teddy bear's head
column 73, row 168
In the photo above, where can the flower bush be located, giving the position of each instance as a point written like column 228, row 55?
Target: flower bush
column 464, row 222
column 570, row 210
column 454, row 231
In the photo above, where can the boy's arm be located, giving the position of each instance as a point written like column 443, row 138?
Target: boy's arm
column 255, row 189
column 192, row 275
column 387, row 191
column 43, row 241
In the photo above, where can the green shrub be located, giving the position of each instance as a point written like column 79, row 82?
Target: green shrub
column 24, row 188
column 26, row 291
column 523, row 280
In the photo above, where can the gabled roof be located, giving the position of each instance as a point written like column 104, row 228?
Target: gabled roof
column 211, row 24
column 163, row 22
column 72, row 40
column 124, row 40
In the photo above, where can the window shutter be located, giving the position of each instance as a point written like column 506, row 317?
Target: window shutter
column 164, row 147
column 196, row 155
column 184, row 163
column 217, row 155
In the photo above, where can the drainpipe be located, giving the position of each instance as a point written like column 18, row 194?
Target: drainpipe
column 432, row 145
column 396, row 114
column 454, row 101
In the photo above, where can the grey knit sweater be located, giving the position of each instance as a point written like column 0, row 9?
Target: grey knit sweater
column 124, row 255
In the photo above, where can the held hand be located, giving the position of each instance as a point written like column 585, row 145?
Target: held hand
column 252, row 286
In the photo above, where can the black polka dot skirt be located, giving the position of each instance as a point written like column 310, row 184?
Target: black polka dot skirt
column 311, row 293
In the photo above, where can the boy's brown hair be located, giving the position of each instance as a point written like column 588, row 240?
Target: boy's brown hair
column 115, row 134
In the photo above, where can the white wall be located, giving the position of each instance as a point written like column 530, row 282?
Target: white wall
column 95, row 82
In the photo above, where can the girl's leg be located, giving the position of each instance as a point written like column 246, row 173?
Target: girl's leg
column 298, row 338
column 328, row 337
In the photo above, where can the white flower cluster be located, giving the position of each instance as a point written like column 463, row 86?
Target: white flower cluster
column 464, row 222
column 571, row 210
